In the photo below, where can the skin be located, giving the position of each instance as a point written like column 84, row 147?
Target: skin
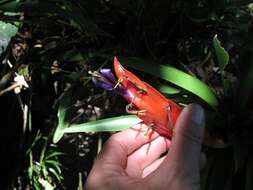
column 130, row 160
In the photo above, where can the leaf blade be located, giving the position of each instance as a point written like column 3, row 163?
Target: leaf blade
column 221, row 54
column 105, row 125
column 175, row 76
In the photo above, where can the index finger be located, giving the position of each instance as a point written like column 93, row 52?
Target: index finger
column 120, row 145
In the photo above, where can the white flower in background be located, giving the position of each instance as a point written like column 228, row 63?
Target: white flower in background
column 20, row 83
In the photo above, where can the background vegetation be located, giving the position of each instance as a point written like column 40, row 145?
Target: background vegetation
column 54, row 43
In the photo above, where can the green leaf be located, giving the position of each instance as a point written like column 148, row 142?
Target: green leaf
column 111, row 124
column 30, row 172
column 54, row 154
column 54, row 164
column 176, row 77
column 36, row 168
column 36, row 184
column 166, row 89
column 58, row 177
column 7, row 31
column 64, row 102
column 221, row 54
column 44, row 171
column 12, row 6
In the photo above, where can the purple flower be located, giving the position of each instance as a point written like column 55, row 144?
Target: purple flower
column 106, row 80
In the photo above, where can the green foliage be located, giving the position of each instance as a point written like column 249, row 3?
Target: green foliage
column 105, row 125
column 7, row 31
column 221, row 53
column 111, row 124
column 63, row 104
column 44, row 171
column 165, row 89
column 172, row 45
column 176, row 77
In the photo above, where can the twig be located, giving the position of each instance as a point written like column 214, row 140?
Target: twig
column 10, row 88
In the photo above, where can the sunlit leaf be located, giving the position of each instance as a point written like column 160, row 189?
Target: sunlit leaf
column 54, row 164
column 30, row 172
column 176, row 77
column 111, row 124
column 58, row 177
column 36, row 184
column 166, row 89
column 53, row 154
column 63, row 104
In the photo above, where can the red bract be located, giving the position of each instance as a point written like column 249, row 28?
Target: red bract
column 153, row 108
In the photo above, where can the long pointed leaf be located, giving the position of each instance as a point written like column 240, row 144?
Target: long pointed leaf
column 111, row 124
column 166, row 89
column 63, row 103
column 176, row 77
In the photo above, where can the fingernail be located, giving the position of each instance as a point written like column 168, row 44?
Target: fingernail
column 197, row 114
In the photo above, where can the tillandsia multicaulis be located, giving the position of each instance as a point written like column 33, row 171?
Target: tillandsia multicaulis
column 155, row 110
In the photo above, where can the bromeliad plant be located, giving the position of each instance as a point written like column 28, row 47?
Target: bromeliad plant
column 154, row 109
column 146, row 104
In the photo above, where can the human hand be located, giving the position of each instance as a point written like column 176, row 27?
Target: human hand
column 129, row 160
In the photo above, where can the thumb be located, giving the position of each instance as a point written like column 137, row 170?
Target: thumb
column 188, row 135
column 181, row 166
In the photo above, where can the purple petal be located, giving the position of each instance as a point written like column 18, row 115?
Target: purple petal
column 122, row 91
column 107, row 73
column 106, row 80
column 102, row 84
